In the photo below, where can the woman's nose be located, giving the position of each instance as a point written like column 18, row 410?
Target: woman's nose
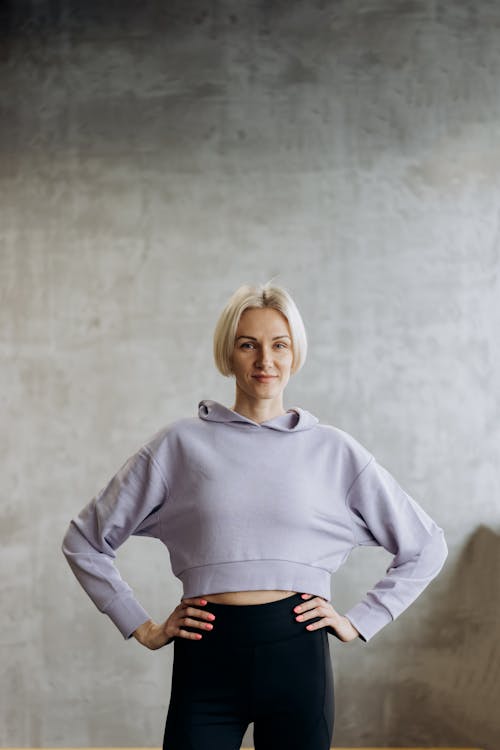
column 265, row 357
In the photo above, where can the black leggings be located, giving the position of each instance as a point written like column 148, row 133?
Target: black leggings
column 257, row 664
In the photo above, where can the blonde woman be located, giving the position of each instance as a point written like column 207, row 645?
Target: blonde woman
column 258, row 505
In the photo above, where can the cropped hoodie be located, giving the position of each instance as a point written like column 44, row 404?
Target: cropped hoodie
column 242, row 505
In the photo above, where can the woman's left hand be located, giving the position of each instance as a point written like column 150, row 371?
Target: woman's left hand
column 338, row 625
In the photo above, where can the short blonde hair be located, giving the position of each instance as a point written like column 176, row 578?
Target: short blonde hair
column 257, row 295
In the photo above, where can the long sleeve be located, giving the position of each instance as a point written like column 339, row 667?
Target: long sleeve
column 128, row 504
column 383, row 514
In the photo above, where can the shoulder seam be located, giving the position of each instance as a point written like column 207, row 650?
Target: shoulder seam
column 358, row 475
column 158, row 467
column 348, row 510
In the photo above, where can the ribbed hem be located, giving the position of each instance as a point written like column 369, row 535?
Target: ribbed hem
column 127, row 614
column 368, row 619
column 251, row 575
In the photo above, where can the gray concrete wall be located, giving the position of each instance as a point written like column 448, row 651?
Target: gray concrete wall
column 154, row 156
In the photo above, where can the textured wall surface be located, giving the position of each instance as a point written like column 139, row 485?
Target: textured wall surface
column 155, row 156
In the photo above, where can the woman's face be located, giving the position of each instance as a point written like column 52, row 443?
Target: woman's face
column 263, row 345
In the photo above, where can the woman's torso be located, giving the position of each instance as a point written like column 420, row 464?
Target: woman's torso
column 248, row 597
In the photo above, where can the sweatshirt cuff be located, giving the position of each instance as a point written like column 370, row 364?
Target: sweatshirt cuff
column 127, row 614
column 367, row 620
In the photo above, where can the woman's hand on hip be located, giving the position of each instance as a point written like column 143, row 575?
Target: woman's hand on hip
column 337, row 624
column 155, row 636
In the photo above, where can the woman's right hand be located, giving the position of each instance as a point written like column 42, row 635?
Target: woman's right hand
column 155, row 636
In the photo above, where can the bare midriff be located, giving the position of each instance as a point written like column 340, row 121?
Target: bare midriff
column 248, row 597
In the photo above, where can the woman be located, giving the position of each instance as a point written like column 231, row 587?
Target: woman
column 257, row 506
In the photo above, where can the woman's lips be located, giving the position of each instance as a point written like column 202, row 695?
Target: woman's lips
column 264, row 378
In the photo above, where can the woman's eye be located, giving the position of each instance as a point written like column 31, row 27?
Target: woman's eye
column 249, row 343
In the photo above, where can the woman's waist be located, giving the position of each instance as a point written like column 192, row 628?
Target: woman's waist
column 248, row 625
column 249, row 597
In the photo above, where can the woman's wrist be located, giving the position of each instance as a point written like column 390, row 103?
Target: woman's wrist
column 152, row 635
column 141, row 633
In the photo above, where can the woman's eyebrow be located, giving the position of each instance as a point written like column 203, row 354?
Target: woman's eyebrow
column 285, row 336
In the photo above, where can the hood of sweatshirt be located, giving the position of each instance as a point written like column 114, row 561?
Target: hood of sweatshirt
column 294, row 420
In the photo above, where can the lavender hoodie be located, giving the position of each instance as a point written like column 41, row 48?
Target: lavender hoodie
column 242, row 505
